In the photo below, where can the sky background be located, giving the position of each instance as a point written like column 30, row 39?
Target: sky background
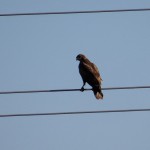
column 38, row 53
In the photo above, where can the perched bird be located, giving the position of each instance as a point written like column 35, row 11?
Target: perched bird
column 90, row 74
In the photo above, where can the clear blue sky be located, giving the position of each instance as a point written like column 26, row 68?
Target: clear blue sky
column 38, row 52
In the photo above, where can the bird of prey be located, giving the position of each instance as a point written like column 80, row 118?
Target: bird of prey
column 90, row 74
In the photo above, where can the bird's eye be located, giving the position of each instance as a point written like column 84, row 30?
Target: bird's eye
column 79, row 57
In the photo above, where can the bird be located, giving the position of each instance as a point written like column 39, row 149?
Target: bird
column 90, row 74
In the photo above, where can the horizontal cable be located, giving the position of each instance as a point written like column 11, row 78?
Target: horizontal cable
column 71, row 90
column 75, row 12
column 75, row 113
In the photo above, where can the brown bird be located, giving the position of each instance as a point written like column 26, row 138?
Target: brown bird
column 90, row 74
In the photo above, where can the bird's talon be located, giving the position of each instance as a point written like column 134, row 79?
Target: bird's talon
column 82, row 89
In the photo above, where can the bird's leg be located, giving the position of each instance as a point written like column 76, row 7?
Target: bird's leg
column 82, row 88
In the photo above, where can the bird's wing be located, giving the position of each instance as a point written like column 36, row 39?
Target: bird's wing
column 96, row 72
column 90, row 73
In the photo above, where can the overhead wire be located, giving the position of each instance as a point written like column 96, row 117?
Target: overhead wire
column 69, row 90
column 72, row 90
column 75, row 12
column 73, row 113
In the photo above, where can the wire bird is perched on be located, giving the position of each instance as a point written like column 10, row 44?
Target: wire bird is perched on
column 90, row 74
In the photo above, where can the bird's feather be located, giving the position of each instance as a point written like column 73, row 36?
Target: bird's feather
column 90, row 74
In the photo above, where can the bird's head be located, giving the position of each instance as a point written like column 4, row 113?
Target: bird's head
column 80, row 57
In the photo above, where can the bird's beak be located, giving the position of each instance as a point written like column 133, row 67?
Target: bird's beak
column 77, row 58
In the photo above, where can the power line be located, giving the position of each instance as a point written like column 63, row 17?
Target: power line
column 75, row 12
column 71, row 90
column 74, row 113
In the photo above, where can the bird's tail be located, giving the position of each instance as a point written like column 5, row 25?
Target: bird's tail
column 98, row 92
